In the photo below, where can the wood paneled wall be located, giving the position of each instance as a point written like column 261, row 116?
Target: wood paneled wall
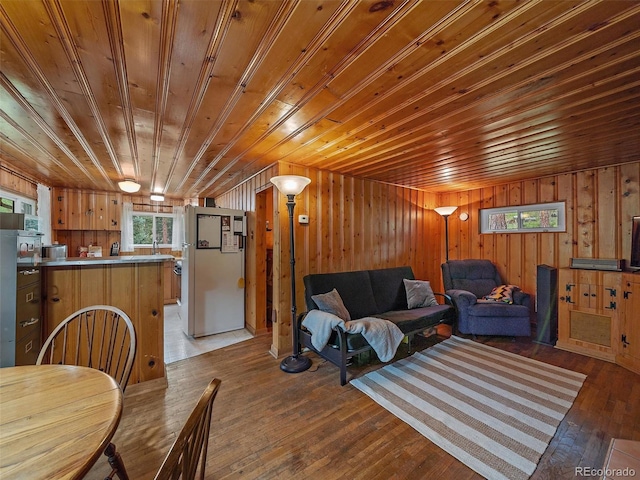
column 358, row 224
column 17, row 182
column 599, row 203
column 354, row 224
column 76, row 238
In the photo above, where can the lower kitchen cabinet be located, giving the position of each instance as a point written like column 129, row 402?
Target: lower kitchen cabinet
column 135, row 288
column 170, row 293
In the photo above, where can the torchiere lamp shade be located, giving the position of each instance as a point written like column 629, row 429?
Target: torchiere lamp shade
column 290, row 184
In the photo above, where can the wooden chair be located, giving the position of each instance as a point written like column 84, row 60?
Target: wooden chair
column 100, row 337
column 188, row 454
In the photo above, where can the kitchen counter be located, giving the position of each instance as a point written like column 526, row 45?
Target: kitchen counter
column 135, row 284
column 89, row 261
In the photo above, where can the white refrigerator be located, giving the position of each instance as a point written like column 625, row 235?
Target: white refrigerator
column 213, row 270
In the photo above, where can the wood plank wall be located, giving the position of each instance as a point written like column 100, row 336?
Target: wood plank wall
column 600, row 203
column 358, row 224
column 17, row 182
column 354, row 224
column 76, row 238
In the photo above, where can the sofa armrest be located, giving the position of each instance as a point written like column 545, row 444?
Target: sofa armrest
column 522, row 298
column 462, row 299
column 445, row 298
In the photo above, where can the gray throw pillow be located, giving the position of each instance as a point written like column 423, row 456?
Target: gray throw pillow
column 419, row 293
column 331, row 302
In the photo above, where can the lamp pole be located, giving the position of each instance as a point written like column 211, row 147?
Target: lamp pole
column 291, row 185
column 295, row 363
column 446, row 237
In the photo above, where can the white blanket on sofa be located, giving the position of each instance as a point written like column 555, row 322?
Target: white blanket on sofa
column 383, row 336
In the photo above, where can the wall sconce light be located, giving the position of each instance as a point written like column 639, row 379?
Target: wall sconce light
column 157, row 197
column 464, row 216
column 292, row 185
column 445, row 212
column 129, row 186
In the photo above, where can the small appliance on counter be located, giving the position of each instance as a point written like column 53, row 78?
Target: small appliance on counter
column 54, row 252
column 115, row 249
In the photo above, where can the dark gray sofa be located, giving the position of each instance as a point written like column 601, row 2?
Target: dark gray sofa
column 370, row 293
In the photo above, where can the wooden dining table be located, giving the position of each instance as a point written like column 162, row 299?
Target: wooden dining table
column 55, row 420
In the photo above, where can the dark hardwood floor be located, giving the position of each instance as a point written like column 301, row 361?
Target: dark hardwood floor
column 272, row 425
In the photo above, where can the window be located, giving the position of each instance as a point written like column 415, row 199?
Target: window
column 148, row 227
column 12, row 203
column 542, row 217
column 6, row 205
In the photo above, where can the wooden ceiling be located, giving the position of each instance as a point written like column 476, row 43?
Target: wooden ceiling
column 191, row 97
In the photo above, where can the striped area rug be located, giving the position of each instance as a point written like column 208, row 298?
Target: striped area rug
column 493, row 410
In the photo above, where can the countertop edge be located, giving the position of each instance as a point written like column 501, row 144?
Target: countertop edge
column 94, row 261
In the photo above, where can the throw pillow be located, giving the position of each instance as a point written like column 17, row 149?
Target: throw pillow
column 419, row 293
column 331, row 302
column 502, row 293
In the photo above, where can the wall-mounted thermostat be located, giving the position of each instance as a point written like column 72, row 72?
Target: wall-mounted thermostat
column 303, row 219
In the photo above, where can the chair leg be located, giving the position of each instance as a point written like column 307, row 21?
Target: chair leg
column 115, row 460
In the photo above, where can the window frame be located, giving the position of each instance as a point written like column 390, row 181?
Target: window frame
column 485, row 213
column 18, row 206
column 153, row 232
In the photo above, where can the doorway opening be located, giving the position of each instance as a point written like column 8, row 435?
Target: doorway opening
column 264, row 260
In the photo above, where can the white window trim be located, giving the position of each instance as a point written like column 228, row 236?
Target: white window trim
column 18, row 201
column 154, row 215
column 560, row 206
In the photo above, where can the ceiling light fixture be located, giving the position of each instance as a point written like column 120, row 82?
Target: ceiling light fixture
column 129, row 186
column 157, row 197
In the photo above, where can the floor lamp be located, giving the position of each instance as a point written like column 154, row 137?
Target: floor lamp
column 292, row 185
column 445, row 212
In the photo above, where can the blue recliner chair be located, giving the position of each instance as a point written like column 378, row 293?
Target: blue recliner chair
column 467, row 281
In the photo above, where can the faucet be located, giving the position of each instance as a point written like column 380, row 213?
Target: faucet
column 155, row 246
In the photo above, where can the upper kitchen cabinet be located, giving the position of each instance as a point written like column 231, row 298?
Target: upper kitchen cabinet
column 85, row 210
